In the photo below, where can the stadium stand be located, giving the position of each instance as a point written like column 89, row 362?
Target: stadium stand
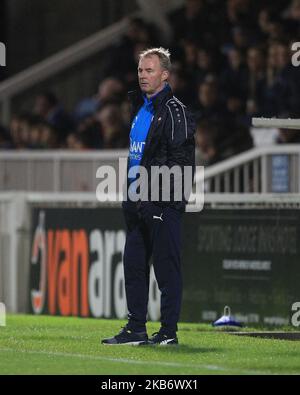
column 231, row 62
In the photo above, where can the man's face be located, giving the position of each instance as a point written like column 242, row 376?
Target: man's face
column 151, row 76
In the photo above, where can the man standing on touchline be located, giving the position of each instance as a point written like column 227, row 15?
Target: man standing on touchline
column 162, row 134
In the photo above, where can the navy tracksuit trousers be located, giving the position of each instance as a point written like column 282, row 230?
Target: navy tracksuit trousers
column 162, row 240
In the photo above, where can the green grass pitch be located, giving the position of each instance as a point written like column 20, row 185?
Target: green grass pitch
column 60, row 345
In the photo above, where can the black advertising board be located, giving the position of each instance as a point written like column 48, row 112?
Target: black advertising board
column 248, row 259
column 245, row 258
column 76, row 264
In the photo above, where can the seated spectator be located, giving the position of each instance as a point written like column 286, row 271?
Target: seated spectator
column 190, row 21
column 90, row 131
column 288, row 136
column 264, row 22
column 234, row 84
column 233, row 78
column 210, row 105
column 42, row 135
column 240, row 39
column 282, row 91
column 35, row 133
column 126, row 114
column 122, row 59
column 215, row 144
column 288, row 83
column 231, row 62
column 205, row 65
column 188, row 58
column 50, row 110
column 76, row 142
column 109, row 89
column 255, row 77
column 206, row 143
column 20, row 130
column 292, row 19
column 48, row 137
column 114, row 133
column 180, row 87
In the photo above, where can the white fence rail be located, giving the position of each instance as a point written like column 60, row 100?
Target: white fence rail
column 54, row 171
column 260, row 170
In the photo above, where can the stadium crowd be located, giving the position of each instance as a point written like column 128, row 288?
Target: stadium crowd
column 231, row 61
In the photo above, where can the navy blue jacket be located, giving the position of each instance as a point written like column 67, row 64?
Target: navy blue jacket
column 170, row 140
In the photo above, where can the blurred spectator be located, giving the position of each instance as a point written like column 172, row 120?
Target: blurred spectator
column 35, row 134
column 205, row 64
column 77, row 142
column 282, row 95
column 294, row 11
column 126, row 114
column 289, row 136
column 180, row 86
column 210, row 105
column 288, row 83
column 109, row 89
column 240, row 38
column 189, row 22
column 272, row 90
column 114, row 133
column 255, row 77
column 71, row 141
column 214, row 145
column 48, row 136
column 41, row 135
column 293, row 19
column 122, row 59
column 206, row 143
column 234, row 85
column 264, row 21
column 20, row 131
column 90, row 133
column 50, row 110
column 190, row 54
column 233, row 79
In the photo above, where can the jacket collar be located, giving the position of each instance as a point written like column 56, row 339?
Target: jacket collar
column 165, row 94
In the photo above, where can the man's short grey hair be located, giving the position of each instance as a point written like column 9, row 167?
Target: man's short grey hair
column 163, row 55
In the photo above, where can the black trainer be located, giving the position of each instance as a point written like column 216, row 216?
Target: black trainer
column 163, row 339
column 127, row 337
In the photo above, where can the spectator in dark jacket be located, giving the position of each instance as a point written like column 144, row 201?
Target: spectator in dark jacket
column 48, row 108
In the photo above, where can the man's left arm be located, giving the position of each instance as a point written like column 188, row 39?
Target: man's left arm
column 181, row 142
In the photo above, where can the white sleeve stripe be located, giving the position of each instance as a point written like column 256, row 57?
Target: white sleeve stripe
column 172, row 121
column 182, row 106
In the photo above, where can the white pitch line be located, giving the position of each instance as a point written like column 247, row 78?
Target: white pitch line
column 134, row 362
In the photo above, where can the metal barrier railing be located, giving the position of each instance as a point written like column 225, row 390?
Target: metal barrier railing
column 54, row 171
column 259, row 170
